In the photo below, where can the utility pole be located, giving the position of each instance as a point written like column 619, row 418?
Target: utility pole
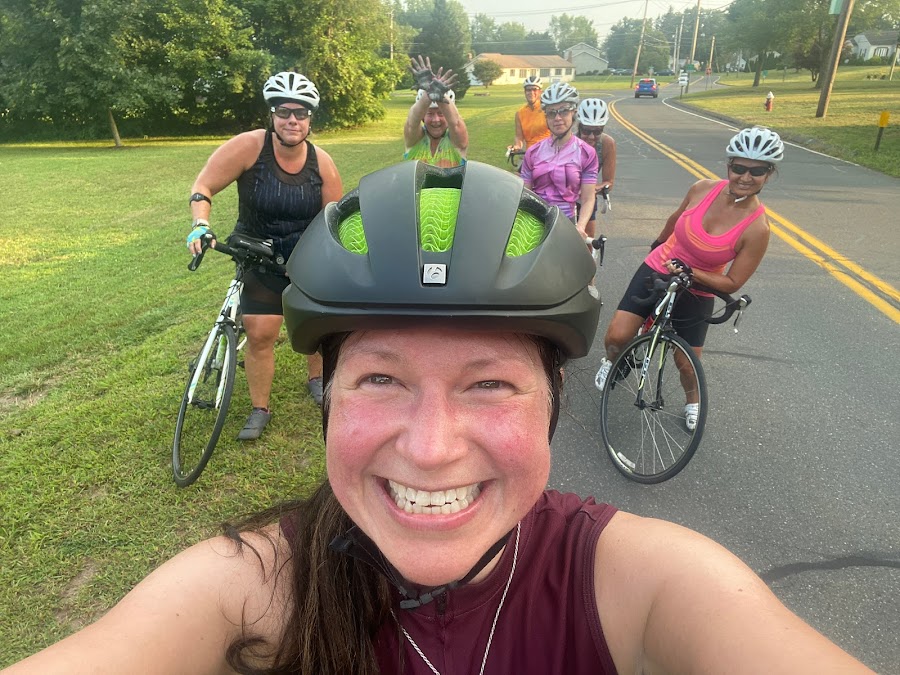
column 840, row 34
column 640, row 43
column 712, row 49
column 693, row 45
column 678, row 45
column 894, row 62
column 392, row 32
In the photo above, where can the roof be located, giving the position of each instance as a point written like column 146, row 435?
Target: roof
column 881, row 37
column 517, row 61
column 583, row 47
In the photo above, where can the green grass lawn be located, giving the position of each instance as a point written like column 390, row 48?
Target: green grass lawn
column 100, row 319
column 849, row 128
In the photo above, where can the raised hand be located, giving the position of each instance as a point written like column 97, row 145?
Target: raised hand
column 421, row 70
column 441, row 83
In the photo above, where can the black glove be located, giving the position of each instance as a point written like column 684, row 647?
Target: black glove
column 440, row 85
column 421, row 71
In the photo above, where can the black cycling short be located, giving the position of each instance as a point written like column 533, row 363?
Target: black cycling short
column 688, row 316
column 262, row 292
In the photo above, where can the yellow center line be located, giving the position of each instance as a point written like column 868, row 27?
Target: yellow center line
column 826, row 257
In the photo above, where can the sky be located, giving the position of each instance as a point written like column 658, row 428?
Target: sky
column 536, row 14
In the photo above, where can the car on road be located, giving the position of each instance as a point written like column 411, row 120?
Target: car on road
column 646, row 86
column 668, row 72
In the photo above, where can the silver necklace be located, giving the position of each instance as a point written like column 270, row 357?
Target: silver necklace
column 493, row 626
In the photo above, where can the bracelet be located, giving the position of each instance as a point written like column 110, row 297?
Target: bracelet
column 199, row 197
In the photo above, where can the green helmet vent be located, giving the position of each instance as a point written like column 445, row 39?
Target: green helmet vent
column 438, row 211
column 527, row 233
column 352, row 235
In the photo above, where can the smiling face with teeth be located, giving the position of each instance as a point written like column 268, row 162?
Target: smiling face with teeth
column 437, row 443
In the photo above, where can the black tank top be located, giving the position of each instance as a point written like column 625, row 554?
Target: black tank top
column 273, row 203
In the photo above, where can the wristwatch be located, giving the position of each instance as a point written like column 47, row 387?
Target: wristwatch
column 199, row 197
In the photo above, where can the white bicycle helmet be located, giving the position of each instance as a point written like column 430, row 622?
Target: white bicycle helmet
column 532, row 81
column 559, row 92
column 449, row 97
column 286, row 87
column 756, row 143
column 593, row 112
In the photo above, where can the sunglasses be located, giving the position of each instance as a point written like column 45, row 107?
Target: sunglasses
column 591, row 131
column 755, row 171
column 285, row 113
column 559, row 112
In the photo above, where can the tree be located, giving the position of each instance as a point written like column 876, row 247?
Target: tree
column 538, row 43
column 484, row 33
column 621, row 43
column 758, row 27
column 486, row 71
column 78, row 64
column 570, row 30
column 446, row 40
column 338, row 44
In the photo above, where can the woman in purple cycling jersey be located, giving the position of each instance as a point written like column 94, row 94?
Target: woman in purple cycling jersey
column 433, row 546
column 562, row 168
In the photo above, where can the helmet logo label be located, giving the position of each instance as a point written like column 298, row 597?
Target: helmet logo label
column 434, row 274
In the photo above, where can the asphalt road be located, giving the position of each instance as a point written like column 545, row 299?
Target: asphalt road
column 799, row 469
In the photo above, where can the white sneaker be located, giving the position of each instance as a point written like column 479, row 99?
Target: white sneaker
column 691, row 415
column 602, row 374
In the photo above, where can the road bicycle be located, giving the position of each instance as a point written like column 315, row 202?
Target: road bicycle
column 207, row 395
column 642, row 417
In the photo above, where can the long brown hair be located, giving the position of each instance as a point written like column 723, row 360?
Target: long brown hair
column 338, row 603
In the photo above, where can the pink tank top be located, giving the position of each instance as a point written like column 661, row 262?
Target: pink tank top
column 694, row 245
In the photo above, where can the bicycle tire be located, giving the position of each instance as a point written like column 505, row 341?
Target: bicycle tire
column 196, row 439
column 651, row 444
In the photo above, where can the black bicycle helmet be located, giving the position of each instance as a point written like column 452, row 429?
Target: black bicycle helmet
column 416, row 243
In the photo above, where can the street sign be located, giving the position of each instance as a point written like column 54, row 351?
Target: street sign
column 690, row 68
column 683, row 80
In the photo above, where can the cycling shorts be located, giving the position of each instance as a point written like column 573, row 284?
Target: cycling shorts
column 262, row 292
column 688, row 316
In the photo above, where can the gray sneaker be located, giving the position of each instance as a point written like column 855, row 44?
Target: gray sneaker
column 315, row 390
column 257, row 421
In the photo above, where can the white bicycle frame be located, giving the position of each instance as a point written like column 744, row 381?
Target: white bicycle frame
column 228, row 313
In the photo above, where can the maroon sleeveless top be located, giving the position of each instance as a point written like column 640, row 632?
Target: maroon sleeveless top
column 549, row 622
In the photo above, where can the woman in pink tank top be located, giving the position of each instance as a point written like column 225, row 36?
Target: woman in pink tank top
column 718, row 222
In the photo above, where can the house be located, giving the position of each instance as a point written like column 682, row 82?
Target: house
column 586, row 59
column 881, row 43
column 516, row 68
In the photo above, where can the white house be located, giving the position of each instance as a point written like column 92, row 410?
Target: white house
column 516, row 68
column 875, row 43
column 586, row 59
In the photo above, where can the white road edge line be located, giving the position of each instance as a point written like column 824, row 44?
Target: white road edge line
column 733, row 128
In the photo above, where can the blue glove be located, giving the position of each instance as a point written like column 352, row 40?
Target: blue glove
column 196, row 233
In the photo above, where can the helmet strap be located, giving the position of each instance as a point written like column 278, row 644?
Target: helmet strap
column 282, row 141
column 356, row 544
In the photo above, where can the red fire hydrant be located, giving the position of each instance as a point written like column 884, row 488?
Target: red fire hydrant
column 770, row 101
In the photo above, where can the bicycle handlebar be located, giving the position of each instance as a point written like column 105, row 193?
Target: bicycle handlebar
column 663, row 285
column 247, row 251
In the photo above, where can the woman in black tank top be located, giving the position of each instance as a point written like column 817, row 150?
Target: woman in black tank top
column 283, row 181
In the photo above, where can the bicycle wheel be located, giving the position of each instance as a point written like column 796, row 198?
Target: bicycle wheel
column 204, row 405
column 646, row 437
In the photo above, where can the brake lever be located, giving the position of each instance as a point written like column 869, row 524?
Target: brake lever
column 743, row 301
